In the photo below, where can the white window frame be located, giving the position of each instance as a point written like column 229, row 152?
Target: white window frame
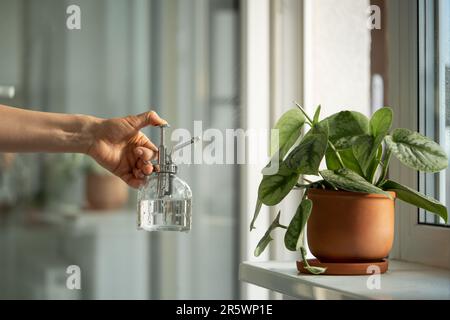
column 255, row 114
column 271, row 77
column 414, row 242
column 286, row 85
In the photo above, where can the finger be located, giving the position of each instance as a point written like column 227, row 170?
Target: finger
column 150, row 118
column 140, row 163
column 136, row 183
column 132, row 181
column 138, row 174
column 150, row 145
column 147, row 169
column 154, row 119
column 145, row 142
column 145, row 154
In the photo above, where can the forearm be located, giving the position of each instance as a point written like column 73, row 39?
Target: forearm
column 33, row 131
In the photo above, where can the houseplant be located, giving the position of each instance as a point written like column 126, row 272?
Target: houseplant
column 62, row 172
column 357, row 152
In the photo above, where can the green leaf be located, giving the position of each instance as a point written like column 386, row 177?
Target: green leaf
column 316, row 115
column 306, row 157
column 262, row 244
column 366, row 150
column 265, row 240
column 255, row 214
column 366, row 147
column 416, row 198
column 331, row 160
column 348, row 180
column 344, row 128
column 345, row 143
column 381, row 122
column 313, row 270
column 289, row 129
column 297, row 224
column 417, row 151
column 350, row 162
column 363, row 150
column 319, row 184
column 346, row 124
column 347, row 157
column 273, row 188
column 371, row 171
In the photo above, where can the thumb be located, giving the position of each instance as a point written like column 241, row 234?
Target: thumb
column 146, row 119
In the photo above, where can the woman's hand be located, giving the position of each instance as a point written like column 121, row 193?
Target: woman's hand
column 119, row 146
column 116, row 144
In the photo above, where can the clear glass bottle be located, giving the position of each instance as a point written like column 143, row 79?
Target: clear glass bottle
column 164, row 212
column 165, row 201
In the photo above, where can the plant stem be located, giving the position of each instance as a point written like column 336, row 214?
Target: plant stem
column 386, row 161
column 337, row 153
column 282, row 226
column 310, row 122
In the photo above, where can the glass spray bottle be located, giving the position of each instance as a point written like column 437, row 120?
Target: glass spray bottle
column 165, row 201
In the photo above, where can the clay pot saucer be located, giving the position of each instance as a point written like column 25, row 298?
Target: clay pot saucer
column 346, row 268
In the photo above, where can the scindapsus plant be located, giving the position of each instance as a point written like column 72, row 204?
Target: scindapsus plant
column 357, row 152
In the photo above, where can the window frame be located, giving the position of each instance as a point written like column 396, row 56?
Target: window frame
column 413, row 241
column 431, row 107
column 272, row 64
column 255, row 111
column 262, row 20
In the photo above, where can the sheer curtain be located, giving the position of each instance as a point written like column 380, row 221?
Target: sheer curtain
column 178, row 57
column 196, row 60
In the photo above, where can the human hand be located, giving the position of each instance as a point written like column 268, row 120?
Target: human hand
column 119, row 146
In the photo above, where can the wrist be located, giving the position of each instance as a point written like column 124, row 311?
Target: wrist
column 85, row 135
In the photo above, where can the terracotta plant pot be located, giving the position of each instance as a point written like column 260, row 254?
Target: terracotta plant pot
column 105, row 192
column 349, row 226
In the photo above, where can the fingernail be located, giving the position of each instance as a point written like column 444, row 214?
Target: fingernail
column 160, row 119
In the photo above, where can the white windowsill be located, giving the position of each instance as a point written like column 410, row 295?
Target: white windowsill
column 403, row 280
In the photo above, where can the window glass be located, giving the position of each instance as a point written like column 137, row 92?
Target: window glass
column 434, row 53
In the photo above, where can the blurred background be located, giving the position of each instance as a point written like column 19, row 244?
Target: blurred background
column 229, row 63
column 177, row 57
